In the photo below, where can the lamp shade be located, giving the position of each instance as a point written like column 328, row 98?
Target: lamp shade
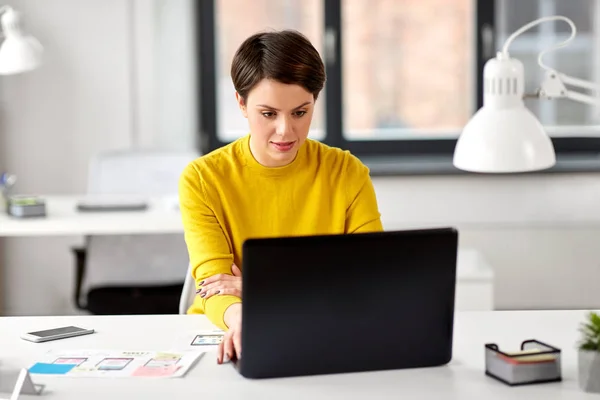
column 18, row 52
column 503, row 136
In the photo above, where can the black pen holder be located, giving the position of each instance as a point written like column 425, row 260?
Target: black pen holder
column 536, row 362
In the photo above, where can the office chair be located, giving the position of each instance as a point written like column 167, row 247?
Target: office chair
column 132, row 274
column 188, row 292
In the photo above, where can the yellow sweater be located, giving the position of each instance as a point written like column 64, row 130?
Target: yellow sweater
column 226, row 196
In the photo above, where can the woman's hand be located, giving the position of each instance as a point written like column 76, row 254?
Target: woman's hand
column 222, row 284
column 231, row 346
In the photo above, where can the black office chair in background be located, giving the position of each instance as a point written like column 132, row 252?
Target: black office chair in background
column 121, row 294
column 133, row 274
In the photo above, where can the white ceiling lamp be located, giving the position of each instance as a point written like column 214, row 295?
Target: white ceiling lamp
column 18, row 52
column 504, row 136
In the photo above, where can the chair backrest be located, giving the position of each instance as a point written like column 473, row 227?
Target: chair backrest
column 136, row 259
column 137, row 172
column 188, row 293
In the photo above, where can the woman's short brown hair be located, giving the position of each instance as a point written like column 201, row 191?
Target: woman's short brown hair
column 285, row 56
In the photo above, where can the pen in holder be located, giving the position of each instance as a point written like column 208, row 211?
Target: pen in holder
column 536, row 362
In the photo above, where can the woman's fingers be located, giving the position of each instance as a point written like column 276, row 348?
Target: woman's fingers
column 231, row 291
column 210, row 293
column 211, row 279
column 221, row 287
column 221, row 351
column 231, row 346
column 237, row 343
column 210, row 282
column 221, row 291
column 217, row 278
column 228, row 346
column 208, row 287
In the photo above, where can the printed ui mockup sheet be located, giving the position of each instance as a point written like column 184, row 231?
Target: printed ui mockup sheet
column 116, row 363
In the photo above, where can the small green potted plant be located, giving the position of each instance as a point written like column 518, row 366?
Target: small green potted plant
column 589, row 354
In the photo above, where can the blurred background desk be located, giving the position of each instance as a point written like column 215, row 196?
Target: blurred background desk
column 63, row 218
column 475, row 277
column 118, row 261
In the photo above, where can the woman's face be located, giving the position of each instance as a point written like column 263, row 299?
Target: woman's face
column 279, row 117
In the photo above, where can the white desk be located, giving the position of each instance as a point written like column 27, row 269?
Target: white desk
column 63, row 219
column 463, row 378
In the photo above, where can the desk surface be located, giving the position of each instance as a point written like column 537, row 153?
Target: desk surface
column 463, row 378
column 62, row 219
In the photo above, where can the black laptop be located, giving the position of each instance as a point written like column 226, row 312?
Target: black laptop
column 348, row 303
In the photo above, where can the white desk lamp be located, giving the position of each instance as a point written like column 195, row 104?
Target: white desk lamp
column 504, row 136
column 19, row 52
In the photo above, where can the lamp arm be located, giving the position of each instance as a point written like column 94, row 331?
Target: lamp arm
column 583, row 98
column 554, row 86
column 569, row 80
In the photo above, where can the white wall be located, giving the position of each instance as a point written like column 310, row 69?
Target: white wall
column 100, row 88
column 54, row 120
column 539, row 232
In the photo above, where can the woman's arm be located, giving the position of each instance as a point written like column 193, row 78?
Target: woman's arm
column 209, row 249
column 363, row 213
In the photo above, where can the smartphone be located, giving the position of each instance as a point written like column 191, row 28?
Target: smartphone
column 55, row 334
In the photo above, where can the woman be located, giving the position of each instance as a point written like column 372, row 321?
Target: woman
column 272, row 182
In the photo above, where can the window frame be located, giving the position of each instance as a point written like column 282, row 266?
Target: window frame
column 485, row 13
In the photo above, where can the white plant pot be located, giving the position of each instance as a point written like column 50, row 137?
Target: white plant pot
column 589, row 371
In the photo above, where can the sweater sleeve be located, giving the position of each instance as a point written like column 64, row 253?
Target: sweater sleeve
column 363, row 213
column 209, row 249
